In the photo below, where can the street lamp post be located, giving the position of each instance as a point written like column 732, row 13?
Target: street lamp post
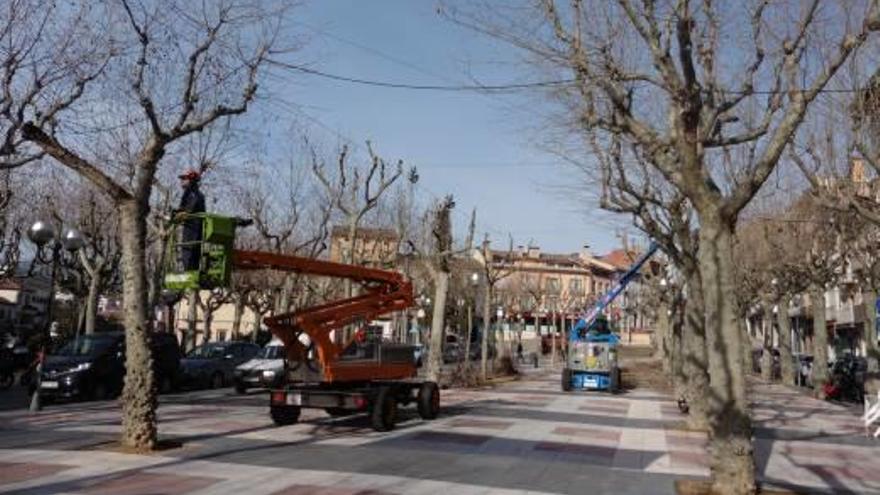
column 42, row 234
column 499, row 314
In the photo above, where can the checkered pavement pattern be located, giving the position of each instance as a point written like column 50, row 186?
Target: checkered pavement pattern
column 801, row 443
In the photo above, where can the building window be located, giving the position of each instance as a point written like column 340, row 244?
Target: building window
column 553, row 285
column 575, row 286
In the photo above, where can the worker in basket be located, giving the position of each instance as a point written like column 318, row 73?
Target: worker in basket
column 192, row 201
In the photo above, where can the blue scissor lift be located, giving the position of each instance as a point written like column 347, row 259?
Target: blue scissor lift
column 591, row 363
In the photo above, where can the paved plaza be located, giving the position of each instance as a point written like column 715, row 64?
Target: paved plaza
column 524, row 436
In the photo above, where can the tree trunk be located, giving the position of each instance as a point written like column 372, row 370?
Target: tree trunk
column 236, row 317
column 80, row 320
column 92, row 303
column 660, row 330
column 695, row 360
column 484, row 351
column 282, row 304
column 732, row 461
column 767, row 342
column 785, row 359
column 820, row 341
column 139, row 393
column 192, row 315
column 553, row 341
column 676, row 364
column 438, row 322
column 208, row 317
column 258, row 317
column 872, row 352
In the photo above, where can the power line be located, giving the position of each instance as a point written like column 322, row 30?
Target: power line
column 422, row 87
column 507, row 86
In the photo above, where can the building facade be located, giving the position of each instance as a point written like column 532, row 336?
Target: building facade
column 544, row 291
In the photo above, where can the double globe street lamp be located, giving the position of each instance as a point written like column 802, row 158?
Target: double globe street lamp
column 42, row 234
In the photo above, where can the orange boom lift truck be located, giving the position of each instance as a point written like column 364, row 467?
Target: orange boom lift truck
column 362, row 374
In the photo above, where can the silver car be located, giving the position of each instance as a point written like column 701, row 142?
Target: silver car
column 266, row 369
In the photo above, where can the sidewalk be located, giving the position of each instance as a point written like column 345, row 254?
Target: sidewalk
column 804, row 442
column 512, row 438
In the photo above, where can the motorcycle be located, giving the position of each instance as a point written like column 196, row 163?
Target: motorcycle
column 846, row 381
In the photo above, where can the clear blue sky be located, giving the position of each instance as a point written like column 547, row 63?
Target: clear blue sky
column 479, row 148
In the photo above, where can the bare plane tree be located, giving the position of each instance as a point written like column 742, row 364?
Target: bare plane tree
column 653, row 75
column 180, row 71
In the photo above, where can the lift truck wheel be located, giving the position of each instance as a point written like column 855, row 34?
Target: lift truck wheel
column 429, row 400
column 566, row 380
column 284, row 415
column 615, row 381
column 384, row 411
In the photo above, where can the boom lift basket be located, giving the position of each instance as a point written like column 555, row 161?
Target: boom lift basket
column 215, row 253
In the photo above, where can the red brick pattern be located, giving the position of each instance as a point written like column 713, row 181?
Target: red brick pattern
column 142, row 483
column 596, row 454
column 480, row 423
column 605, row 409
column 593, row 433
column 24, row 471
column 456, row 438
column 326, row 490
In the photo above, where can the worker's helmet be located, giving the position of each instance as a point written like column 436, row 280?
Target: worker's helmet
column 191, row 174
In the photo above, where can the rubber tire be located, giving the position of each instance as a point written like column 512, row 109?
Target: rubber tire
column 383, row 414
column 337, row 412
column 614, row 386
column 284, row 415
column 217, row 380
column 100, row 392
column 566, row 380
column 429, row 400
column 240, row 389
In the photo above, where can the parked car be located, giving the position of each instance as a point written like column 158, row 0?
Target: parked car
column 213, row 364
column 93, row 366
column 264, row 370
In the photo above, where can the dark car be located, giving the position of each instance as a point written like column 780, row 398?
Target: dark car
column 213, row 364
column 93, row 366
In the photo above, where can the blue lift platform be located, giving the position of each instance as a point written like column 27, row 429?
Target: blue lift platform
column 591, row 363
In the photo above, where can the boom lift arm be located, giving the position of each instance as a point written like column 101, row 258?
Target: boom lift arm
column 385, row 292
column 587, row 321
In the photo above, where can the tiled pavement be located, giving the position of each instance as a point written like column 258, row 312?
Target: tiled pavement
column 520, row 437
